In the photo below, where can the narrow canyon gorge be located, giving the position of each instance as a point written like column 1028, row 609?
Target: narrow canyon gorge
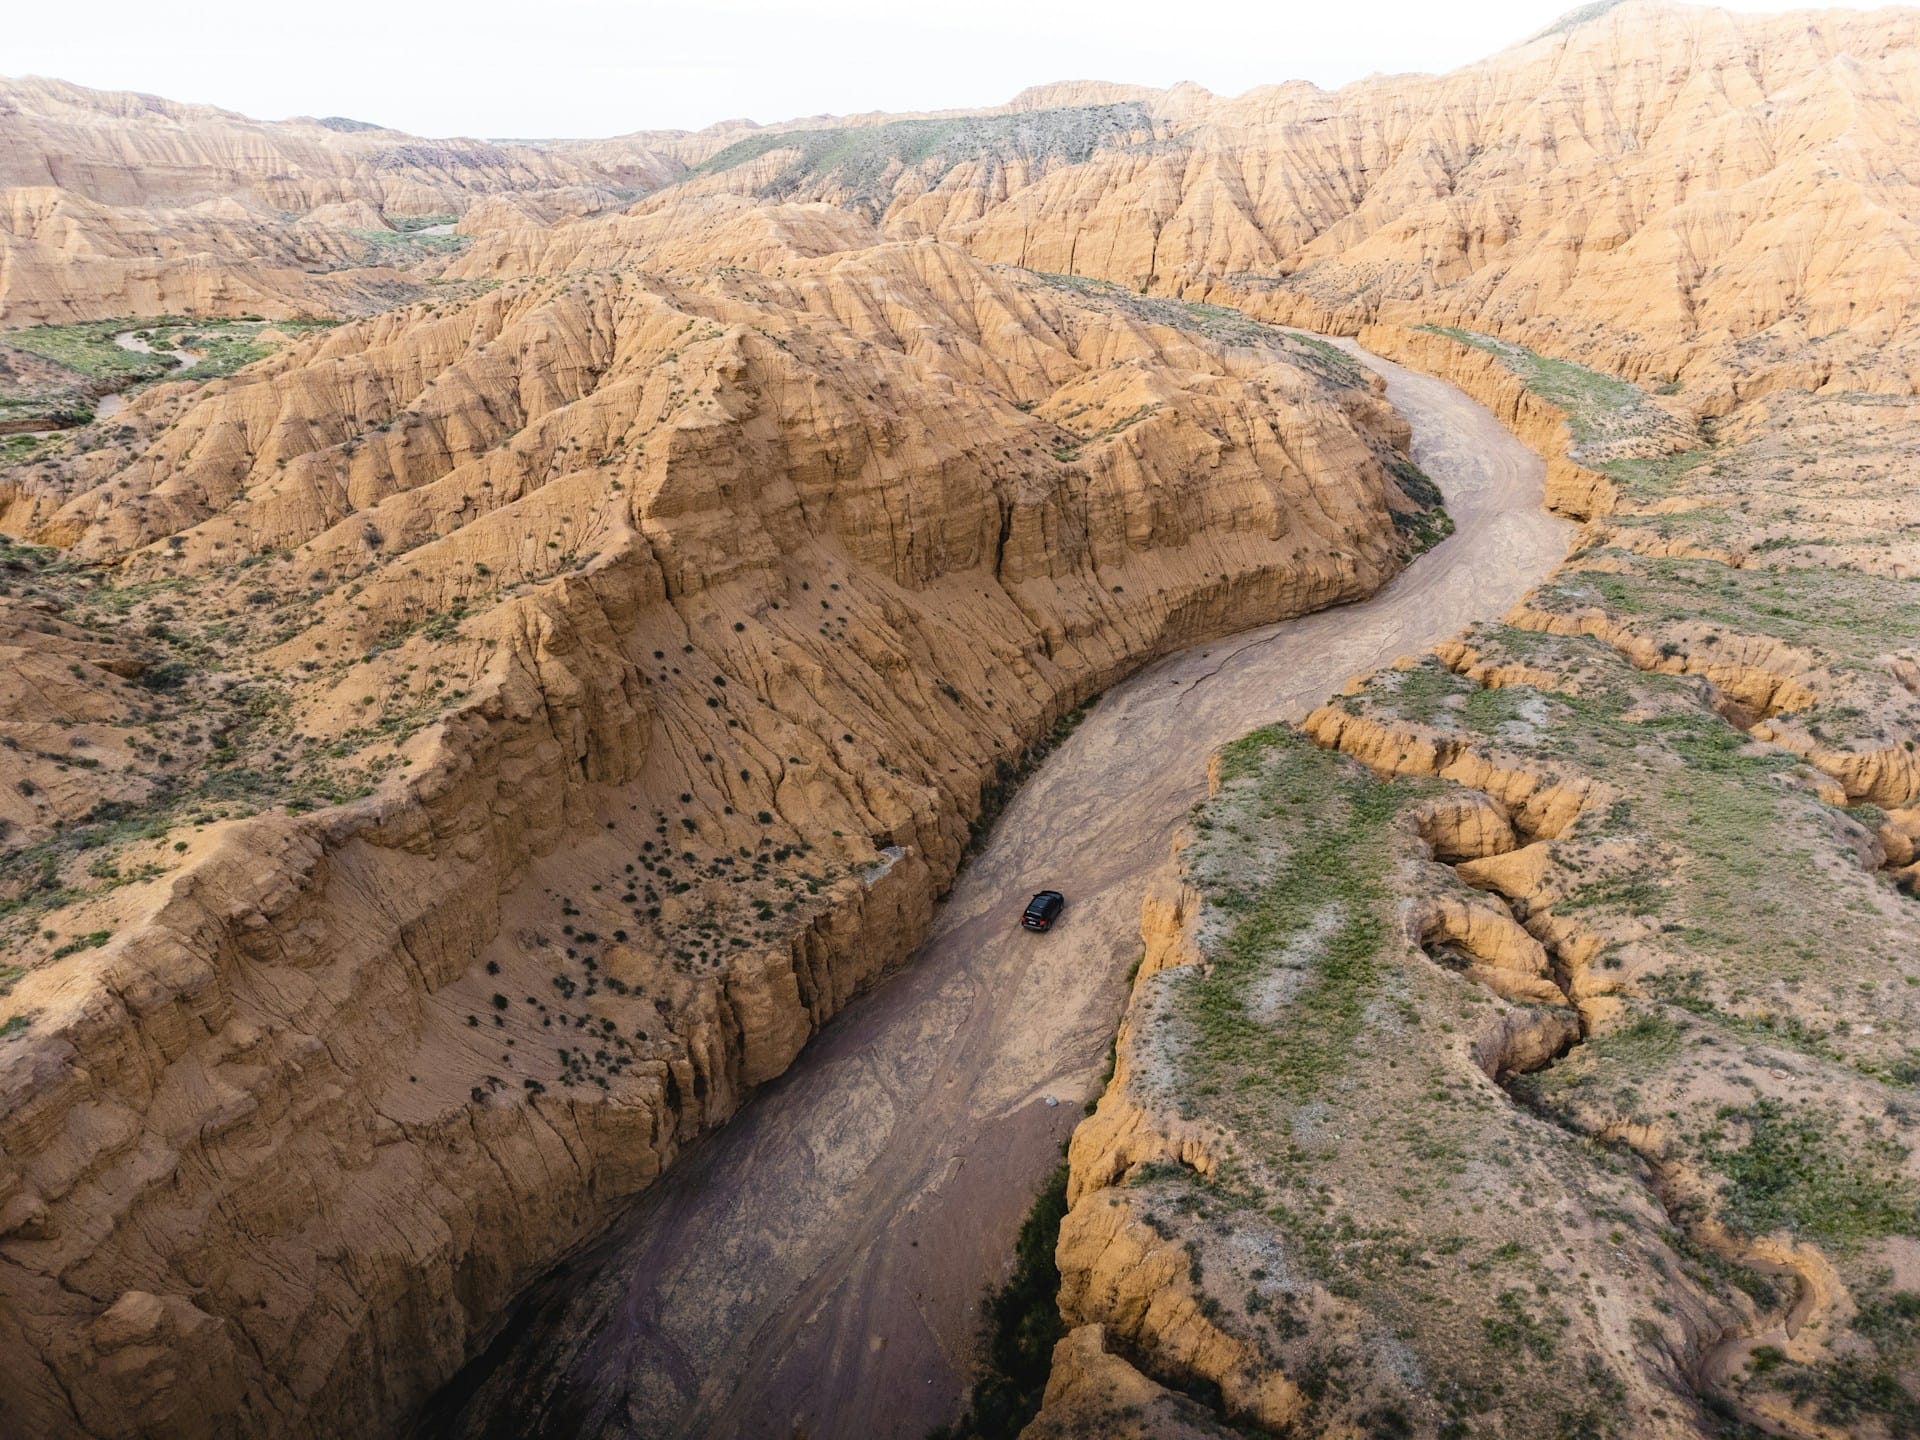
column 539, row 676
column 922, row 1113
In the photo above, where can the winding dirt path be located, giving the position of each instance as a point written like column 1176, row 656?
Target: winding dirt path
column 816, row 1267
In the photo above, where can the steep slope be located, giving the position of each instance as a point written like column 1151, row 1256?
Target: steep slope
column 622, row 626
column 528, row 718
column 1656, row 188
column 738, row 1297
column 142, row 152
column 117, row 204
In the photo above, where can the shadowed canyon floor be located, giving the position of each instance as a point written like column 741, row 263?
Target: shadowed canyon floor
column 816, row 1268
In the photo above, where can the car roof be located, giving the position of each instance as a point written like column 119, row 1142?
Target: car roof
column 1047, row 895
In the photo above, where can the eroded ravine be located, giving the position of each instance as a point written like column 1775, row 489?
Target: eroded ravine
column 816, row 1267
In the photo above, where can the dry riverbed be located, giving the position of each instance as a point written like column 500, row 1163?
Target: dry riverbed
column 816, row 1267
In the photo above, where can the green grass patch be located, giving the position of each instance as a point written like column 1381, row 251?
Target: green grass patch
column 1430, row 524
column 1646, row 480
column 1790, row 1169
column 1008, row 775
column 408, row 224
column 1859, row 1386
column 1854, row 1389
column 92, row 941
column 1731, row 851
column 1334, row 818
column 92, row 352
column 1334, row 363
column 1514, row 1326
column 1631, row 894
column 20, row 449
column 89, row 349
column 1848, row 614
column 1595, row 403
column 399, row 247
column 1647, row 1041
column 1574, row 19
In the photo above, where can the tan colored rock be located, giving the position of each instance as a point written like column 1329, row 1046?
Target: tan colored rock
column 1093, row 1392
column 1539, row 806
column 1572, row 489
column 716, row 510
column 1605, row 192
column 1118, row 1269
column 637, row 612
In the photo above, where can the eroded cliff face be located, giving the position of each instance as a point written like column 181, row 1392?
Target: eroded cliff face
column 117, row 204
column 1303, row 1192
column 1660, row 191
column 518, row 722
column 1664, row 192
column 452, row 761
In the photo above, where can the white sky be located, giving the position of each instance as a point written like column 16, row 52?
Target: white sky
column 509, row 68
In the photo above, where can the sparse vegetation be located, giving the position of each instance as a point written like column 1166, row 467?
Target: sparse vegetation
column 1598, row 406
column 1324, row 884
column 1794, row 1170
column 858, row 161
column 93, row 358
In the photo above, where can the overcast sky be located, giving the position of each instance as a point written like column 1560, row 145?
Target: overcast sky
column 508, row 68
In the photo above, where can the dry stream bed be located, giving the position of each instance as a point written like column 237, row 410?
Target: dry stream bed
column 816, row 1267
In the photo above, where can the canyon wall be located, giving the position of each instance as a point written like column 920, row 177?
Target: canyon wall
column 620, row 626
column 534, row 715
column 1661, row 191
column 1658, row 190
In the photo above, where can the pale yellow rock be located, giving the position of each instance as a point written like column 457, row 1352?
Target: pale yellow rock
column 910, row 507
column 1091, row 1392
column 593, row 573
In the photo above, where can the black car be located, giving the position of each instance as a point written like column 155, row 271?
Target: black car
column 1043, row 910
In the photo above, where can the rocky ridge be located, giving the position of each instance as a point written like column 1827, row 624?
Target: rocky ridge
column 354, row 673
column 1662, row 191
column 116, row 204
column 520, row 721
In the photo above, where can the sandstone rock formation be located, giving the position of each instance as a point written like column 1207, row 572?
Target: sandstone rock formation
column 1659, row 190
column 118, row 204
column 638, row 643
column 449, row 763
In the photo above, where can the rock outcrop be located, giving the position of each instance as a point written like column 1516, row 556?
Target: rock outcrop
column 118, row 204
column 583, row 689
column 1658, row 190
column 449, row 763
column 1302, row 1199
column 1661, row 815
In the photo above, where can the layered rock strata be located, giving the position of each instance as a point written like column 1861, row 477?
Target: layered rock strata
column 542, row 711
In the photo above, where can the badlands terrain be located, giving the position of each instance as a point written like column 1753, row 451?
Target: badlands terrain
column 506, row 641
